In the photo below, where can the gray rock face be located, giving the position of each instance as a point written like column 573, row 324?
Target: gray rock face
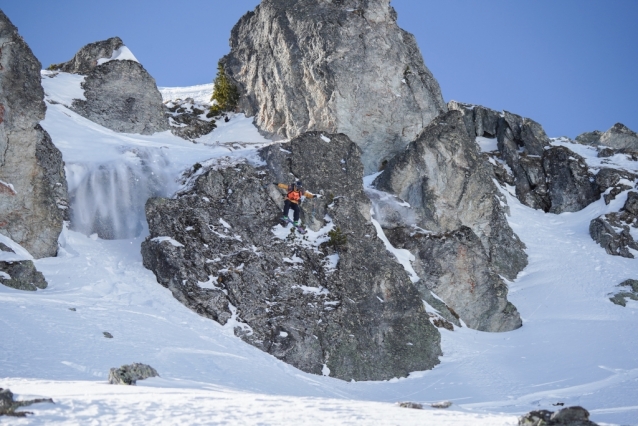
column 612, row 230
column 552, row 179
column 21, row 275
column 455, row 266
column 122, row 96
column 479, row 121
column 618, row 136
column 569, row 416
column 87, row 57
column 33, row 195
column 338, row 66
column 130, row 374
column 335, row 304
column 448, row 184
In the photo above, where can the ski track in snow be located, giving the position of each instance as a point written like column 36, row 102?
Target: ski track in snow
column 575, row 346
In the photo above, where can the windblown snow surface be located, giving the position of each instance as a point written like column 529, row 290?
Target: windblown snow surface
column 575, row 347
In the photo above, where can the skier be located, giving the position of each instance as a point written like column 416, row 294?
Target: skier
column 293, row 197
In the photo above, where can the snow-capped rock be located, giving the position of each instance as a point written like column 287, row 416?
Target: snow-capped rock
column 340, row 67
column 33, row 200
column 119, row 93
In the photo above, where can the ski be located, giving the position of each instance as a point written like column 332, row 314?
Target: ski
column 299, row 228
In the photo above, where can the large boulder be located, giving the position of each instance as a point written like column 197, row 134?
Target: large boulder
column 455, row 266
column 340, row 66
column 130, row 374
column 119, row 93
column 33, row 189
column 446, row 181
column 332, row 302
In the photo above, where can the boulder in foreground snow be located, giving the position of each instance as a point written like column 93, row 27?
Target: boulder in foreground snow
column 569, row 416
column 629, row 292
column 8, row 405
column 130, row 374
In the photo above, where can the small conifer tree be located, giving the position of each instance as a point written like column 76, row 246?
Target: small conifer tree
column 225, row 93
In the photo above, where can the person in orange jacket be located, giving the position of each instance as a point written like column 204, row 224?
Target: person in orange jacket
column 293, row 197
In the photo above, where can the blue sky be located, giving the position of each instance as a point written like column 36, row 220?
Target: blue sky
column 569, row 64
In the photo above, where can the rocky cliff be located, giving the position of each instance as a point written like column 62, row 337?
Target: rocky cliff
column 120, row 94
column 332, row 302
column 336, row 66
column 550, row 178
column 33, row 190
column 459, row 235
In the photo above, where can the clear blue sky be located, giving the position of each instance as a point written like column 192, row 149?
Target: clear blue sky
column 571, row 65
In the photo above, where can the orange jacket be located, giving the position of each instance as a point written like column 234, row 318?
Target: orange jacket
column 295, row 195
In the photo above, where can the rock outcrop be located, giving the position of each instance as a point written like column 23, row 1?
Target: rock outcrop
column 613, row 231
column 333, row 301
column 33, row 189
column 130, row 374
column 86, row 59
column 120, row 94
column 460, row 237
column 569, row 416
column 448, row 184
column 336, row 66
column 550, row 178
column 617, row 137
column 8, row 405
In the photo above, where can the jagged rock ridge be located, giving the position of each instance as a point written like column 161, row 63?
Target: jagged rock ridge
column 33, row 189
column 551, row 178
column 335, row 66
column 338, row 305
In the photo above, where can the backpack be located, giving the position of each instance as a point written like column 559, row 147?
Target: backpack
column 294, row 193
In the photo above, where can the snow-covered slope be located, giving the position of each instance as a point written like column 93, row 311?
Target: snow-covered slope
column 575, row 346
